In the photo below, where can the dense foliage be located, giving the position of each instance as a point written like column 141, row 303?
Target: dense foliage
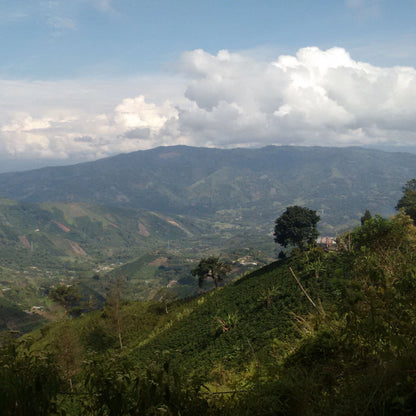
column 65, row 295
column 211, row 267
column 296, row 227
column 408, row 201
column 29, row 381
column 259, row 346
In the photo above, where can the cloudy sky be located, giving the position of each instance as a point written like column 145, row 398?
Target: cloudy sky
column 84, row 79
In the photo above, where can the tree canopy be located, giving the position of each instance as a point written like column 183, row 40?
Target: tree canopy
column 408, row 200
column 367, row 216
column 65, row 295
column 296, row 226
column 211, row 267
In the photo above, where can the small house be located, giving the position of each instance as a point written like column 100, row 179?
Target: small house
column 327, row 243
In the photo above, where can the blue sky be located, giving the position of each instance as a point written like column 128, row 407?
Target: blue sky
column 83, row 38
column 82, row 79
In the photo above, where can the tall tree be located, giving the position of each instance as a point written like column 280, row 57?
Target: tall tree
column 296, row 226
column 211, row 267
column 408, row 200
column 112, row 308
column 66, row 347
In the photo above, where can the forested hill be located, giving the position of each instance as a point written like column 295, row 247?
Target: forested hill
column 258, row 346
column 252, row 183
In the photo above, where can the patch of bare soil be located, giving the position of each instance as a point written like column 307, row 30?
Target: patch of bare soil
column 160, row 261
column 143, row 230
column 77, row 248
column 62, row 227
column 24, row 241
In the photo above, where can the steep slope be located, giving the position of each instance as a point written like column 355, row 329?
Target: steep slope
column 42, row 234
column 231, row 328
column 258, row 346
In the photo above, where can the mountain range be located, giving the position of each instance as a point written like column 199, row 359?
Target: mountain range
column 241, row 185
column 150, row 215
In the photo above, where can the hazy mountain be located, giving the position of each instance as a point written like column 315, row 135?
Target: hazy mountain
column 239, row 185
column 18, row 165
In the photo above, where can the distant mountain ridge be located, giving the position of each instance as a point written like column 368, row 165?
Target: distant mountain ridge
column 253, row 183
column 148, row 216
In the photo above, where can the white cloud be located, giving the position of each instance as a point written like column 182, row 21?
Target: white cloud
column 135, row 113
column 230, row 99
column 315, row 97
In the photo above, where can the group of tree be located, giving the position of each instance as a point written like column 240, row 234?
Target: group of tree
column 297, row 226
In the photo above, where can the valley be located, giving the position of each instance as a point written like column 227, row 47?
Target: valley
column 208, row 208
column 149, row 216
column 102, row 306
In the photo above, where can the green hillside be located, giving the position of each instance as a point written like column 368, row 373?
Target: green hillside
column 13, row 318
column 258, row 346
column 317, row 333
column 45, row 244
column 41, row 233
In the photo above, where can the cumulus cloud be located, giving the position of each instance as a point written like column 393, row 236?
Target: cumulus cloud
column 135, row 113
column 316, row 97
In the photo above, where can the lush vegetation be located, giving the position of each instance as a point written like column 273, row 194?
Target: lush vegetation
column 213, row 268
column 318, row 333
column 44, row 246
column 150, row 216
column 315, row 333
